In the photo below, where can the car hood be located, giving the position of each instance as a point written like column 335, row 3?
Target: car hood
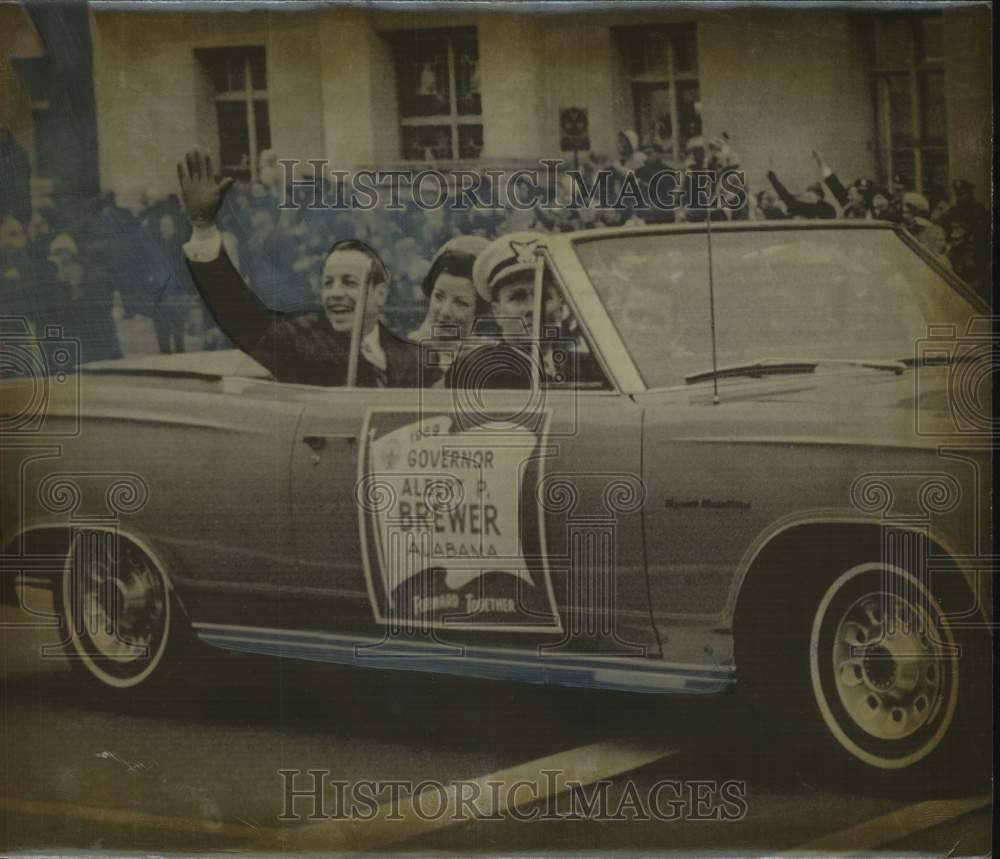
column 916, row 408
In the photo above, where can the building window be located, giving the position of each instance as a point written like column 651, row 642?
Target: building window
column 908, row 69
column 437, row 86
column 662, row 66
column 237, row 79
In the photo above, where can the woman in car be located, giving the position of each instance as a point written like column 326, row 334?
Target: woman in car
column 452, row 305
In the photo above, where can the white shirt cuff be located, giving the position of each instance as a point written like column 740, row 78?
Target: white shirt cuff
column 205, row 243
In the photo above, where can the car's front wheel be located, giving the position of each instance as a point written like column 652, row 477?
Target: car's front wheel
column 862, row 662
column 121, row 626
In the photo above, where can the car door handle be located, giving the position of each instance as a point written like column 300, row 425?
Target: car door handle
column 318, row 442
column 315, row 442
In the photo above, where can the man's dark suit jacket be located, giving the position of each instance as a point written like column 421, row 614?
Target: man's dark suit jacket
column 301, row 348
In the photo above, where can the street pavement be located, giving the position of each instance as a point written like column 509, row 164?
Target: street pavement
column 195, row 767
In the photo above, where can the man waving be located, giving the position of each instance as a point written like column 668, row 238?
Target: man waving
column 312, row 348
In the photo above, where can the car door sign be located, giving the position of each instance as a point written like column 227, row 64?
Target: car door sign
column 451, row 532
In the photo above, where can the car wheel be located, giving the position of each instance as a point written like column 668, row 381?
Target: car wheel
column 120, row 619
column 866, row 669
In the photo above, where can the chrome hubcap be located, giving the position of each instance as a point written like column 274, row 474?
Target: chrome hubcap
column 889, row 665
column 123, row 607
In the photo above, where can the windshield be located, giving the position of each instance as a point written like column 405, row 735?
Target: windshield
column 805, row 294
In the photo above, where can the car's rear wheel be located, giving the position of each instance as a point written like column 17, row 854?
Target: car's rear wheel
column 862, row 664
column 121, row 623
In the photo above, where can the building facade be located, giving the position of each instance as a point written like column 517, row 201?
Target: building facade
column 875, row 93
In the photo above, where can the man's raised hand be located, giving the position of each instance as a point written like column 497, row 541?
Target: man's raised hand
column 201, row 190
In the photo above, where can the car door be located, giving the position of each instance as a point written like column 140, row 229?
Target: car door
column 532, row 529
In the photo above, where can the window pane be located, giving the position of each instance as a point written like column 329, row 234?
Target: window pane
column 262, row 123
column 427, row 142
column 931, row 39
column 657, row 53
column 422, row 78
column 633, row 50
column 932, row 107
column 226, row 68
column 654, row 123
column 896, row 108
column 234, row 136
column 686, row 49
column 258, row 68
column 470, row 141
column 218, row 74
column 894, row 42
column 237, row 71
column 467, row 76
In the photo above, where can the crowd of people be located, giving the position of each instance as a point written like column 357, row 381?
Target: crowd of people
column 84, row 268
column 956, row 231
column 87, row 266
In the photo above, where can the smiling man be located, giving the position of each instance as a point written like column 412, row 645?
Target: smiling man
column 306, row 348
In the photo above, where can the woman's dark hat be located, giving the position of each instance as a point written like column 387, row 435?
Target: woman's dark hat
column 456, row 256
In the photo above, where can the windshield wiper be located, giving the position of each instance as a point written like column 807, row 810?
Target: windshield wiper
column 779, row 366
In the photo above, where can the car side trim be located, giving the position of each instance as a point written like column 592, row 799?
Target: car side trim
column 635, row 675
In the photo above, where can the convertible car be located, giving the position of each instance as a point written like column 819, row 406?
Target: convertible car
column 776, row 477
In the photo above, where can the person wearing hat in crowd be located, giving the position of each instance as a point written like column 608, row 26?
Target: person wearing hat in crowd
column 969, row 211
column 453, row 304
column 722, row 159
column 940, row 205
column 858, row 203
column 653, row 171
column 312, row 348
column 899, row 184
column 962, row 253
column 916, row 210
column 974, row 221
column 630, row 157
column 966, row 207
column 881, row 208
